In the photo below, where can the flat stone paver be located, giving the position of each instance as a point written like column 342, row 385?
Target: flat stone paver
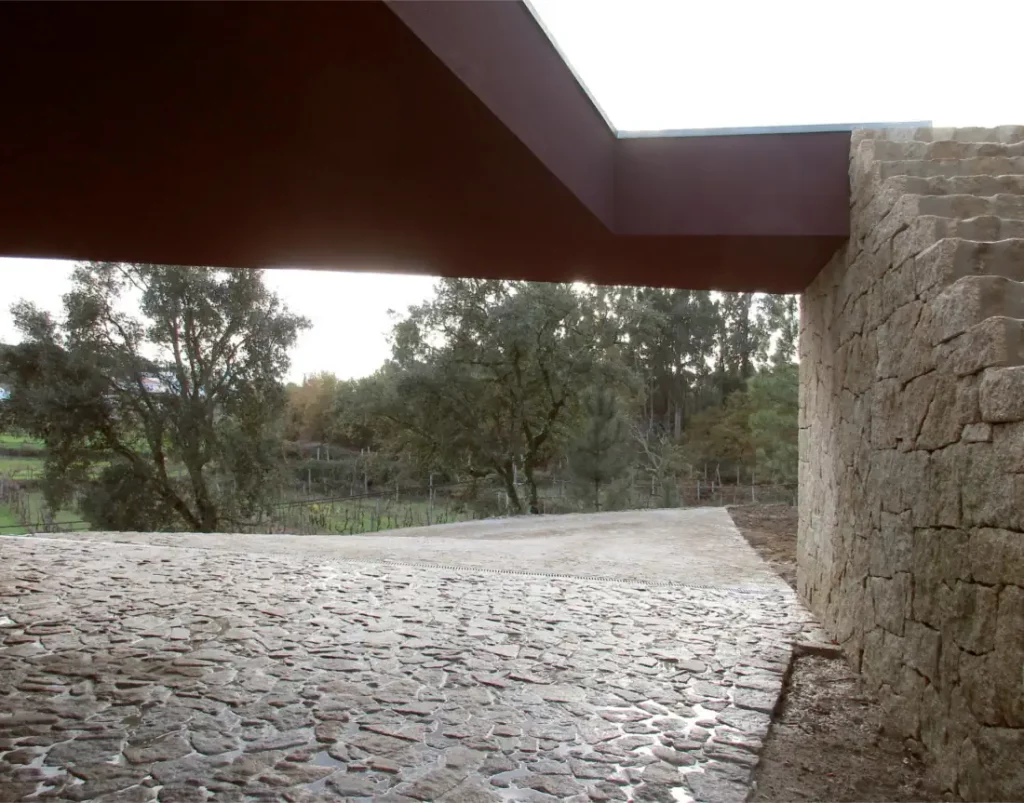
column 192, row 668
column 647, row 544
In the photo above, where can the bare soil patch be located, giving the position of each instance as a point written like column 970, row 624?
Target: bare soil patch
column 771, row 531
column 827, row 744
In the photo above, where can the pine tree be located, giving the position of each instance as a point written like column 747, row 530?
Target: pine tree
column 600, row 453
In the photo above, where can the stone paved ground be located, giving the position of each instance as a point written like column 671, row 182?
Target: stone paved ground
column 137, row 672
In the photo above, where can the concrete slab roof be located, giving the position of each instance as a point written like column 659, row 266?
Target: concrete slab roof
column 444, row 137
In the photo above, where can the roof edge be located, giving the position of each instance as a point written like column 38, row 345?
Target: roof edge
column 756, row 130
column 565, row 60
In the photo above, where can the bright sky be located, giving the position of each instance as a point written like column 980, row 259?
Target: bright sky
column 671, row 64
column 349, row 311
column 664, row 64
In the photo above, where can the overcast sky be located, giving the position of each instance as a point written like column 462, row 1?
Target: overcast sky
column 669, row 64
column 349, row 311
column 663, row 64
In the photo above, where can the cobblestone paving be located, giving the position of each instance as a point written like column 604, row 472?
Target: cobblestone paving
column 138, row 673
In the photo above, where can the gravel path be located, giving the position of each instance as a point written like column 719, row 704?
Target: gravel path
column 300, row 668
column 696, row 546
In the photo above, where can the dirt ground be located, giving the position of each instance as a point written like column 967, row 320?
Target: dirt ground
column 771, row 531
column 827, row 744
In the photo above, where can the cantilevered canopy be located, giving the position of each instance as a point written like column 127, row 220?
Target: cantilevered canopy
column 440, row 137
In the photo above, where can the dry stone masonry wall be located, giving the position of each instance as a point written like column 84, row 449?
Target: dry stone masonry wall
column 911, row 543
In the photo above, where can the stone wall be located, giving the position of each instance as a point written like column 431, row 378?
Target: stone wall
column 911, row 542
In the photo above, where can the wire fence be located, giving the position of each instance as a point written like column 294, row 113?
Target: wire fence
column 23, row 511
column 425, row 505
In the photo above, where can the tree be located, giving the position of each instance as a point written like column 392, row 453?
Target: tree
column 787, row 321
column 490, row 376
column 777, row 324
column 667, row 338
column 178, row 408
column 743, row 340
column 310, row 407
column 773, row 422
column 722, row 435
column 353, row 416
column 599, row 454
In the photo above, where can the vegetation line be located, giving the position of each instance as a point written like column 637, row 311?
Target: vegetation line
column 154, row 401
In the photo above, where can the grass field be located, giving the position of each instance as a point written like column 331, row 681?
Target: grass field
column 31, row 468
column 36, row 506
column 19, row 442
column 344, row 517
column 32, row 504
column 9, row 524
column 21, row 468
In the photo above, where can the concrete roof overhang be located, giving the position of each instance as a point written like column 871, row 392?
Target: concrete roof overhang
column 443, row 137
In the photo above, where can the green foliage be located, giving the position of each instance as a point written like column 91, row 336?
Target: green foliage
column 310, row 408
column 755, row 429
column 666, row 338
column 21, row 467
column 355, row 422
column 721, row 435
column 487, row 380
column 119, row 499
column 351, row 517
column 488, row 377
column 774, row 404
column 185, row 398
column 599, row 453
column 783, row 316
column 9, row 524
column 156, row 399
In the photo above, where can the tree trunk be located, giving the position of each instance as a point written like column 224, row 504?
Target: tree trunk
column 531, row 484
column 207, row 517
column 430, row 500
column 650, row 416
column 206, row 509
column 534, row 496
column 510, row 488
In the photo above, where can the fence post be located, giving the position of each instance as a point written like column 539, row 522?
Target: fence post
column 430, row 499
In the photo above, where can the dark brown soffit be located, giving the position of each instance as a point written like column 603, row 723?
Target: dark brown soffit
column 332, row 135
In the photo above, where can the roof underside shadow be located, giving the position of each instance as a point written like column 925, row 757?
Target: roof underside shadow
column 446, row 138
